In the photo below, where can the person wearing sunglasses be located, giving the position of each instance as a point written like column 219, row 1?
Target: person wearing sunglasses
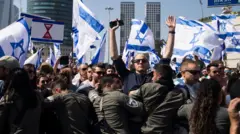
column 81, row 76
column 98, row 71
column 140, row 75
column 190, row 73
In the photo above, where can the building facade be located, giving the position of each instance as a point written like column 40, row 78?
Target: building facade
column 58, row 10
column 8, row 13
column 127, row 14
column 153, row 20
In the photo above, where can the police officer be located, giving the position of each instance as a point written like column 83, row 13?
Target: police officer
column 115, row 106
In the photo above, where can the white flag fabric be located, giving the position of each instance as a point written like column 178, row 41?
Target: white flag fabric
column 51, row 59
column 57, row 50
column 35, row 59
column 194, row 37
column 85, row 28
column 99, row 54
column 141, row 38
column 14, row 40
column 228, row 31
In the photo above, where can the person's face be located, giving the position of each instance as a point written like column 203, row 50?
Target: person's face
column 117, row 84
column 42, row 84
column 214, row 73
column 110, row 71
column 98, row 73
column 83, row 71
column 89, row 74
column 75, row 69
column 191, row 74
column 31, row 73
column 204, row 72
column 221, row 69
column 140, row 63
column 156, row 76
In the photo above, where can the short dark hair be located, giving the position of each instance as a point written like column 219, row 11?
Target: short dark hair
column 217, row 62
column 212, row 65
column 108, row 79
column 186, row 62
column 39, row 75
column 110, row 67
column 59, row 83
column 100, row 65
column 165, row 71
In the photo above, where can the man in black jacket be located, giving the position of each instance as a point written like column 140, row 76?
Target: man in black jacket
column 134, row 79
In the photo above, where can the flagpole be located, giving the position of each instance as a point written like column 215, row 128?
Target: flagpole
column 109, row 9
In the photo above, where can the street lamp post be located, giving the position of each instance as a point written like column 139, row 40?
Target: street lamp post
column 109, row 9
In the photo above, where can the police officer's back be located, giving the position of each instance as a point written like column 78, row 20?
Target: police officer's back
column 116, row 107
column 73, row 110
column 160, row 100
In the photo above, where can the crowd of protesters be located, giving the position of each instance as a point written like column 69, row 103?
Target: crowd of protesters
column 113, row 99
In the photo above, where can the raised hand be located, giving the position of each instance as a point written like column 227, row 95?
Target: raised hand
column 171, row 23
column 115, row 27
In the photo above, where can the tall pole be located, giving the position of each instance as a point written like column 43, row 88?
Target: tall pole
column 109, row 9
column 201, row 4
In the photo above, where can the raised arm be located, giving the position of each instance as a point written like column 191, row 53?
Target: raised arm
column 171, row 23
column 233, row 112
column 113, row 42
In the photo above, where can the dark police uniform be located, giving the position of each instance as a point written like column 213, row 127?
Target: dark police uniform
column 116, row 108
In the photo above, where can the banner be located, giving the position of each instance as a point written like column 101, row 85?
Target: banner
column 47, row 31
column 214, row 3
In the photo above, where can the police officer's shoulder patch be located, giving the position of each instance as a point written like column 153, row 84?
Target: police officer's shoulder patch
column 132, row 103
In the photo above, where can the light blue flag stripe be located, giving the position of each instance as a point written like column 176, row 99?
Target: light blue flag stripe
column 95, row 58
column 190, row 23
column 135, row 22
column 95, row 24
column 198, row 49
column 138, row 48
column 223, row 17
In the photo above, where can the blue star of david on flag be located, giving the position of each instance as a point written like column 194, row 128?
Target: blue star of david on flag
column 222, row 26
column 139, row 38
column 235, row 41
column 196, row 37
column 15, row 46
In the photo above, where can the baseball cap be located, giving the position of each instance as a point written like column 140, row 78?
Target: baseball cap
column 9, row 62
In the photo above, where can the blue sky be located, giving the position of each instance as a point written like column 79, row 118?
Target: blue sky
column 188, row 8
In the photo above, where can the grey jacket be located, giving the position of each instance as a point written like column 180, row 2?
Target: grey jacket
column 117, row 107
column 161, row 105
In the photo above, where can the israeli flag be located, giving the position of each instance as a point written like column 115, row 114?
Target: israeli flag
column 229, row 32
column 85, row 28
column 14, row 40
column 51, row 59
column 99, row 54
column 141, row 38
column 57, row 50
column 194, row 38
column 35, row 59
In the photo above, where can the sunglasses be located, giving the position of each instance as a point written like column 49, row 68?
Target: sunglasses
column 84, row 69
column 99, row 73
column 216, row 72
column 139, row 60
column 193, row 72
column 44, row 81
